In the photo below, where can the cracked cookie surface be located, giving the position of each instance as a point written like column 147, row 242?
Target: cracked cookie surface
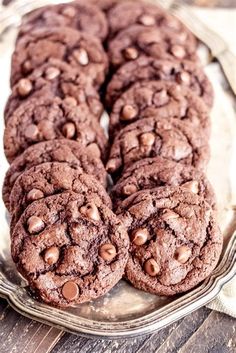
column 49, row 179
column 78, row 49
column 175, row 241
column 151, row 137
column 59, row 79
column 63, row 151
column 78, row 15
column 138, row 40
column 50, row 118
column 77, row 247
column 185, row 73
column 156, row 172
column 128, row 13
column 159, row 99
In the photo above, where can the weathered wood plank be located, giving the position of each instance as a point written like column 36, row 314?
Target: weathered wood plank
column 216, row 335
column 20, row 334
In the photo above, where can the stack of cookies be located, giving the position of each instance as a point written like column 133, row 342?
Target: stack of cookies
column 159, row 100
column 162, row 233
column 65, row 239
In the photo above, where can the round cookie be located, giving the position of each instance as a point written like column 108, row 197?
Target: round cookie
column 48, row 179
column 63, row 151
column 50, row 118
column 78, row 15
column 168, row 138
column 185, row 73
column 156, row 172
column 128, row 13
column 158, row 43
column 60, row 79
column 175, row 240
column 159, row 99
column 78, row 49
column 70, row 247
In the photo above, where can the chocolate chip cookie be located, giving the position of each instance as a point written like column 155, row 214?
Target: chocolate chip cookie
column 78, row 15
column 158, row 43
column 63, row 151
column 159, row 99
column 50, row 118
column 155, row 172
column 175, row 241
column 184, row 73
column 60, row 79
column 70, row 247
column 78, row 49
column 168, row 138
column 129, row 13
column 48, row 179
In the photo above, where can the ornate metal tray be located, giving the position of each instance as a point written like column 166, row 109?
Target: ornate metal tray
column 125, row 311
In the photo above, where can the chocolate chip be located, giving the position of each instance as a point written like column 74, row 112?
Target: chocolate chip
column 147, row 20
column 27, row 66
column 128, row 112
column 35, row 224
column 31, row 132
column 129, row 189
column 68, row 130
column 184, row 77
column 169, row 214
column 81, row 56
column 147, row 139
column 161, row 98
column 182, row 254
column 24, row 87
column 69, row 11
column 51, row 255
column 191, row 186
column 131, row 53
column 151, row 267
column 178, row 51
column 70, row 101
column 107, row 252
column 111, row 165
column 70, row 290
column 139, row 236
column 34, row 194
column 52, row 72
column 91, row 211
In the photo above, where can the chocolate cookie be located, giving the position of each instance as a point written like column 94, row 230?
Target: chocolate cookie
column 50, row 118
column 175, row 241
column 78, row 15
column 78, row 49
column 156, row 42
column 183, row 72
column 48, row 179
column 60, row 79
column 155, row 172
column 159, row 99
column 168, row 138
column 70, row 247
column 63, row 151
column 129, row 13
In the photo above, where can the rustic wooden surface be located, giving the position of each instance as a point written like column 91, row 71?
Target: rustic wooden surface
column 203, row 331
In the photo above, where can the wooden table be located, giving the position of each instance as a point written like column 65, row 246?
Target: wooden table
column 203, row 331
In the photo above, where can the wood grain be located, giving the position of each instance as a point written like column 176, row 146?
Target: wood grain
column 201, row 332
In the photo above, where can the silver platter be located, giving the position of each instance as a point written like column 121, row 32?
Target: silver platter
column 125, row 311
